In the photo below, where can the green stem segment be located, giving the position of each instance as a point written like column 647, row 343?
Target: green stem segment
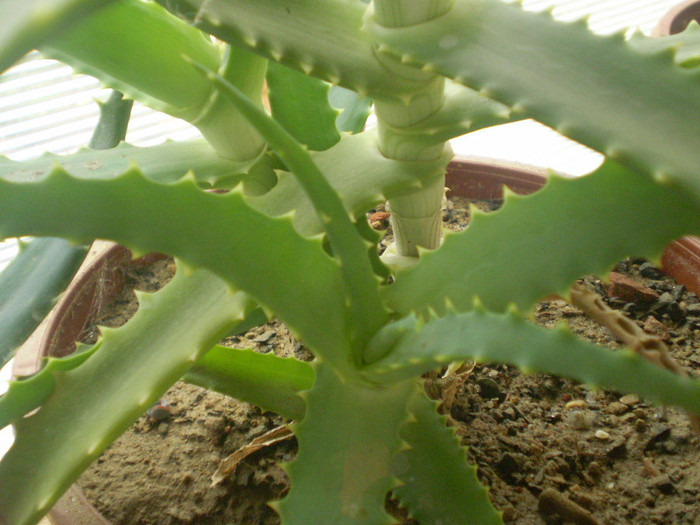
column 415, row 218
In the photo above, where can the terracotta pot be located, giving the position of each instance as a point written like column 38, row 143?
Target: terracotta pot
column 678, row 18
column 477, row 179
column 681, row 260
column 107, row 263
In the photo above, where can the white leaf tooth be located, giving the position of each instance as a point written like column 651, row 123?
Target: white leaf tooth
column 276, row 54
column 478, row 305
column 333, row 78
column 249, row 40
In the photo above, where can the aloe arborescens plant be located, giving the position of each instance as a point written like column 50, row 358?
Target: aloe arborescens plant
column 290, row 236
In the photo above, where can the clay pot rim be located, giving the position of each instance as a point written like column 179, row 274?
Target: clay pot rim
column 677, row 18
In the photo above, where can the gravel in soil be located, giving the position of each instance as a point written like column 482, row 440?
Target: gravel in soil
column 551, row 451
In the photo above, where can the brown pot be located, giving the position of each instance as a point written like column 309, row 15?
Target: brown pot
column 99, row 280
column 678, row 18
column 681, row 260
column 107, row 262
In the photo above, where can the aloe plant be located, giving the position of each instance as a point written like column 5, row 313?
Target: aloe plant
column 290, row 237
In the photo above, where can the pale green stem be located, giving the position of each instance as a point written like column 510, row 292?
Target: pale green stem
column 415, row 218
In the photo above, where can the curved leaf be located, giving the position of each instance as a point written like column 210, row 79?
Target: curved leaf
column 354, row 109
column 300, row 104
column 437, row 483
column 265, row 380
column 342, row 472
column 538, row 245
column 166, row 162
column 638, row 108
column 129, row 65
column 508, row 338
column 216, row 231
column 26, row 25
column 360, row 175
column 323, row 39
column 139, row 362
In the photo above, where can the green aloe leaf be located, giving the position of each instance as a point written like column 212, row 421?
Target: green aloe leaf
column 507, row 338
column 323, row 39
column 366, row 313
column 684, row 46
column 437, row 483
column 354, row 109
column 358, row 172
column 540, row 244
column 347, row 439
column 597, row 90
column 26, row 25
column 300, row 104
column 464, row 110
column 25, row 395
column 166, row 162
column 29, row 287
column 141, row 360
column 129, row 66
column 265, row 380
column 211, row 229
column 113, row 123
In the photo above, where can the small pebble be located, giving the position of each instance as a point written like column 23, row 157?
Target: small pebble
column 602, row 435
column 616, row 408
column 574, row 404
column 580, row 419
column 640, row 425
column 160, row 411
column 629, row 399
column 595, row 470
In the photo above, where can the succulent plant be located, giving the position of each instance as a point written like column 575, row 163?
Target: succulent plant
column 290, row 237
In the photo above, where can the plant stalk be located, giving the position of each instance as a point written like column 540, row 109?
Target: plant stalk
column 415, row 218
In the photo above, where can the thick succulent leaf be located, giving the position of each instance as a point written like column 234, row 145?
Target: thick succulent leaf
column 358, row 172
column 29, row 287
column 464, row 110
column 354, row 109
column 27, row 394
column 265, row 380
column 111, row 128
column 366, row 314
column 92, row 404
column 25, row 25
column 508, row 338
column 323, row 39
column 166, row 162
column 634, row 107
column 129, row 66
column 538, row 245
column 437, row 484
column 217, row 231
column 684, row 46
column 300, row 104
column 342, row 472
